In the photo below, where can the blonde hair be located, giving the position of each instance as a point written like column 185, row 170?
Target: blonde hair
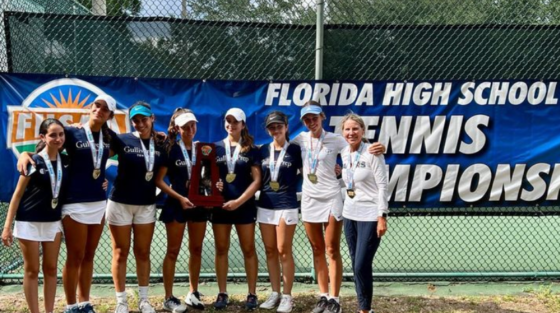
column 356, row 118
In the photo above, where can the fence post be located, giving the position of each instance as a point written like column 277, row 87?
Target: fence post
column 320, row 8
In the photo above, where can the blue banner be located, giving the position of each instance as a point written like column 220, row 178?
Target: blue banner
column 449, row 143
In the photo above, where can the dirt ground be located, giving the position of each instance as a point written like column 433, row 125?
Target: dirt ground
column 540, row 299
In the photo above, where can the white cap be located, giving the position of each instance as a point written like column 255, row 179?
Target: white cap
column 111, row 103
column 238, row 114
column 184, row 118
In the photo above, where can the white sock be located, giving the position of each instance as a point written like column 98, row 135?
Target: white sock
column 143, row 292
column 121, row 297
column 287, row 296
column 71, row 306
column 326, row 295
column 337, row 299
column 274, row 293
column 83, row 303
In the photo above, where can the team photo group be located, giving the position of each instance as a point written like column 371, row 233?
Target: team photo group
column 62, row 192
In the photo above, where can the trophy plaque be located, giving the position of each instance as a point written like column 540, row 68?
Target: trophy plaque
column 205, row 174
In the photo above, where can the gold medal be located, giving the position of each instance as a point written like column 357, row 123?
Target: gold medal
column 230, row 177
column 274, row 185
column 54, row 203
column 312, row 178
column 96, row 173
column 149, row 175
column 351, row 193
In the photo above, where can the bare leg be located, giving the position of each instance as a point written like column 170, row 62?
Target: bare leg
column 333, row 232
column 51, row 251
column 120, row 237
column 316, row 239
column 175, row 232
column 30, row 252
column 268, row 234
column 285, row 235
column 246, row 234
column 143, row 234
column 222, row 233
column 197, row 231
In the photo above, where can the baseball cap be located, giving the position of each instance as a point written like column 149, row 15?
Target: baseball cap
column 111, row 103
column 275, row 118
column 184, row 118
column 238, row 114
column 310, row 109
column 140, row 109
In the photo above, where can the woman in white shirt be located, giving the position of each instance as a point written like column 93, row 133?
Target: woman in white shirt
column 365, row 207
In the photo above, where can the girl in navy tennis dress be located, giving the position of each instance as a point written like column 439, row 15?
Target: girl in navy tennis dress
column 241, row 175
column 36, row 206
column 178, row 211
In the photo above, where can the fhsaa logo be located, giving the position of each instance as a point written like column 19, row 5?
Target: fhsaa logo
column 66, row 99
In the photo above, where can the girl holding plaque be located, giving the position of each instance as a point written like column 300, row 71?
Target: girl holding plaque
column 84, row 205
column 365, row 207
column 132, row 203
column 321, row 202
column 37, row 207
column 237, row 160
column 278, row 209
column 178, row 211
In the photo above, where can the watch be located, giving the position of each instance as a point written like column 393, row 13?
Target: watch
column 385, row 215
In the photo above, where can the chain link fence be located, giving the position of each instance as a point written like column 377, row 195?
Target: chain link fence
column 276, row 40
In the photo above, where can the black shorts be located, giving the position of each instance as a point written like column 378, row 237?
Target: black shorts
column 170, row 213
column 245, row 214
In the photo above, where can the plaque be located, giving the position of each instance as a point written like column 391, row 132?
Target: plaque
column 204, row 176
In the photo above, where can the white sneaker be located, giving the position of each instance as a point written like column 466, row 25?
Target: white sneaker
column 121, row 308
column 271, row 302
column 174, row 305
column 193, row 300
column 146, row 307
column 286, row 304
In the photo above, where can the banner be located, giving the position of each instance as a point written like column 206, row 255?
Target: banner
column 449, row 143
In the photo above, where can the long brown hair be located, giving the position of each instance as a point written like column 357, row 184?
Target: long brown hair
column 246, row 139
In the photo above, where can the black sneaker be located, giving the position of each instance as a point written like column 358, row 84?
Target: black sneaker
column 333, row 307
column 251, row 302
column 87, row 308
column 221, row 301
column 321, row 305
column 193, row 300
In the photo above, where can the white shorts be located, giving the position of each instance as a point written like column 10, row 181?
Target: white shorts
column 273, row 217
column 37, row 231
column 86, row 212
column 318, row 210
column 120, row 214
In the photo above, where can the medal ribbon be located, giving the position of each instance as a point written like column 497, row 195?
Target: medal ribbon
column 352, row 166
column 313, row 155
column 232, row 159
column 56, row 182
column 96, row 154
column 148, row 159
column 274, row 169
column 186, row 156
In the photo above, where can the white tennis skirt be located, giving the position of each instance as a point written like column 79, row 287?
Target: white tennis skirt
column 273, row 217
column 37, row 231
column 318, row 210
column 90, row 213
